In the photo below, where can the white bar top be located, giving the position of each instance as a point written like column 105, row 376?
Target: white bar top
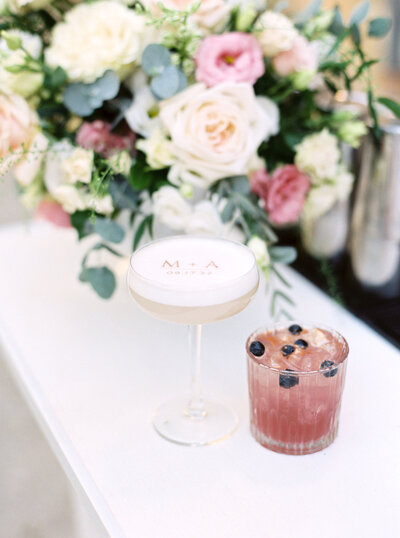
column 93, row 371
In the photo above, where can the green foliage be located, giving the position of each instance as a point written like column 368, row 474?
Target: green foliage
column 81, row 221
column 146, row 223
column 359, row 13
column 143, row 177
column 379, row 27
column 391, row 105
column 84, row 99
column 167, row 79
column 285, row 255
column 109, row 230
column 122, row 193
column 101, row 279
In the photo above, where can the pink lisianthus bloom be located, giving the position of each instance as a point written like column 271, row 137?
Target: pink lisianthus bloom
column 301, row 56
column 97, row 136
column 53, row 212
column 230, row 57
column 283, row 193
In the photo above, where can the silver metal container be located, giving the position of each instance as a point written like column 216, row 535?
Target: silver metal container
column 375, row 225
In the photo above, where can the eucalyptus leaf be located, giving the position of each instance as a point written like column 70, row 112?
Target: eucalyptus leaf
column 311, row 10
column 337, row 26
column 76, row 100
column 379, row 27
column 228, row 211
column 167, row 83
column 155, row 59
column 359, row 13
column 285, row 255
column 240, row 184
column 108, row 85
column 101, row 279
column 109, row 230
column 123, row 195
column 80, row 220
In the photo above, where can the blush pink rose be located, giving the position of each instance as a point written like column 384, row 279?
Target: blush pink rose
column 53, row 212
column 259, row 181
column 301, row 56
column 283, row 193
column 97, row 136
column 231, row 57
column 18, row 125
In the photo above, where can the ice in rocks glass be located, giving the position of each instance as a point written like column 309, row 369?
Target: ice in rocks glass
column 193, row 280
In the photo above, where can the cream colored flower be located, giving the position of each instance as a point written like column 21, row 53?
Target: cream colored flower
column 78, row 166
column 204, row 219
column 30, row 165
column 215, row 132
column 65, row 166
column 18, row 128
column 318, row 156
column 103, row 205
column 260, row 251
column 275, row 33
column 71, row 198
column 142, row 115
column 121, row 162
column 158, row 149
column 211, row 15
column 319, row 200
column 170, row 208
column 21, row 7
column 95, row 37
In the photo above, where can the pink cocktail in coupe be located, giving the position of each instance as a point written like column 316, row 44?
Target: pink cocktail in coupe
column 296, row 376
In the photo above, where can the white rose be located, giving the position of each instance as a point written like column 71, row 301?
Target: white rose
column 95, row 37
column 170, row 208
column 102, row 205
column 30, row 165
column 120, row 162
column 21, row 7
column 204, row 219
column 343, row 183
column 319, row 200
column 142, row 115
column 71, row 198
column 272, row 113
column 260, row 251
column 158, row 149
column 275, row 33
column 215, row 132
column 78, row 166
column 210, row 16
column 318, row 156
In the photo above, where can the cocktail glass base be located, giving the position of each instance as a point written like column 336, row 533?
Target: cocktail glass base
column 173, row 422
column 300, row 448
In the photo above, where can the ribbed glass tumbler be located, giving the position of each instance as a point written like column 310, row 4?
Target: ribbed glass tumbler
column 301, row 420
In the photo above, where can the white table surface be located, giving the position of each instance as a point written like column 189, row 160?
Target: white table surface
column 93, row 372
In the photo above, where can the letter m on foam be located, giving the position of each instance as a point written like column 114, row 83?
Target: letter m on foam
column 167, row 264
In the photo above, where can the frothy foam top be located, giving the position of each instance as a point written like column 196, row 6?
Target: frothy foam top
column 192, row 271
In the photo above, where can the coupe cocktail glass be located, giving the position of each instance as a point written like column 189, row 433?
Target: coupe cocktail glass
column 296, row 376
column 193, row 280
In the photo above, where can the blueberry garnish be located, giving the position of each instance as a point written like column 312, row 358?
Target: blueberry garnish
column 287, row 350
column 301, row 343
column 295, row 329
column 327, row 364
column 257, row 348
column 288, row 381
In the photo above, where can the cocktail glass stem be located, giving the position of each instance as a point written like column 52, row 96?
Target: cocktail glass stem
column 195, row 408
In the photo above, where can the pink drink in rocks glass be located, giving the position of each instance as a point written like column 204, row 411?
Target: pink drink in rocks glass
column 296, row 376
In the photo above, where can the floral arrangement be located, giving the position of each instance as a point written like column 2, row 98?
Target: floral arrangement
column 211, row 117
